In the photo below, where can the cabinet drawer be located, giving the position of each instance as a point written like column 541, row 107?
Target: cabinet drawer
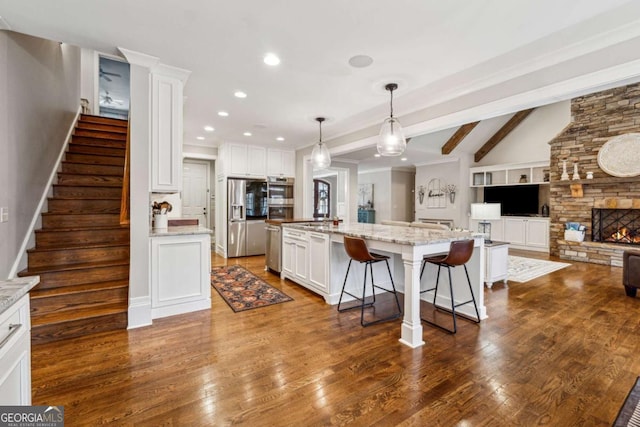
column 14, row 323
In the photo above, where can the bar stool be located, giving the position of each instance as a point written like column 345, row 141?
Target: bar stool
column 460, row 252
column 357, row 250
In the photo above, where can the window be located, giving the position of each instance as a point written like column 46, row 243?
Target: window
column 321, row 198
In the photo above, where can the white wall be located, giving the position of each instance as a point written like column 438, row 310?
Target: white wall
column 529, row 142
column 392, row 193
column 402, row 188
column 381, row 180
column 40, row 96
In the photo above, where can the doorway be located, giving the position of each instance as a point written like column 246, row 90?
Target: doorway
column 113, row 88
column 195, row 191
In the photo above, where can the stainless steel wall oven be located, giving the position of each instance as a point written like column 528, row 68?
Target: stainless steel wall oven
column 280, row 197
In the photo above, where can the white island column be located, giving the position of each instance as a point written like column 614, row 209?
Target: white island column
column 411, row 332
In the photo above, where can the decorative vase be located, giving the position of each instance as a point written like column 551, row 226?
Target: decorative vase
column 452, row 197
column 565, row 175
column 589, row 175
column 523, row 178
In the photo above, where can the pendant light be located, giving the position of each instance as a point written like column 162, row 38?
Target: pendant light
column 320, row 157
column 391, row 141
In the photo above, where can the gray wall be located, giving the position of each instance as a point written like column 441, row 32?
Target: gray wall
column 40, row 87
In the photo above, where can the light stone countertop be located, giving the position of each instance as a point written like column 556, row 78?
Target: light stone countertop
column 181, row 230
column 390, row 233
column 12, row 290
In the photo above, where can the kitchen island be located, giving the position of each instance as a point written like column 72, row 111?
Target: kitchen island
column 314, row 256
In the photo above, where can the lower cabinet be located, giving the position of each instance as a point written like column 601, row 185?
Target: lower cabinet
column 180, row 274
column 15, row 354
column 527, row 233
column 305, row 259
column 496, row 258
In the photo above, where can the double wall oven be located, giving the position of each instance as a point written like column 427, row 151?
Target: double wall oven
column 280, row 197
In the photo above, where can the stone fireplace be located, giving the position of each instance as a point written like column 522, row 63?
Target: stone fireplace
column 615, row 226
column 595, row 119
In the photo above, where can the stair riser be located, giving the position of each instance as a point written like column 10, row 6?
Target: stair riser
column 83, row 276
column 83, row 206
column 101, row 127
column 79, row 300
column 54, row 239
column 88, row 192
column 101, row 134
column 75, row 150
column 81, row 220
column 98, row 142
column 53, row 258
column 102, row 120
column 84, row 168
column 77, row 328
column 101, row 181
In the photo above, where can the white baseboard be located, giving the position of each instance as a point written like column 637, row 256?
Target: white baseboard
column 139, row 312
column 187, row 307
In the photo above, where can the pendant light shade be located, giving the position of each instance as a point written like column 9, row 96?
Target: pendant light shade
column 391, row 141
column 320, row 157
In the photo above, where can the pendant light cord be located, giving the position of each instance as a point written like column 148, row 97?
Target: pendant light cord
column 391, row 90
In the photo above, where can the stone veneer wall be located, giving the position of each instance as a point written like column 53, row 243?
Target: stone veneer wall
column 595, row 119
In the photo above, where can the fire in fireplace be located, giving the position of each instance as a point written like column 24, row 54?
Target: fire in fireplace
column 616, row 226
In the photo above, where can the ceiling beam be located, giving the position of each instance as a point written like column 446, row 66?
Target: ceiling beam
column 502, row 133
column 457, row 137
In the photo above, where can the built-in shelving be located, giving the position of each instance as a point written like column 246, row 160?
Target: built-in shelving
column 510, row 174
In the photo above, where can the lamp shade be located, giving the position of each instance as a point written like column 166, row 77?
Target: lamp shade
column 320, row 157
column 485, row 211
column 391, row 141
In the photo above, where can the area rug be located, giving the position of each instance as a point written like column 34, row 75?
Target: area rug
column 629, row 414
column 524, row 269
column 242, row 290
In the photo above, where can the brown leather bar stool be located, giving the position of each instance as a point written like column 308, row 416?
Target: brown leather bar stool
column 460, row 252
column 357, row 250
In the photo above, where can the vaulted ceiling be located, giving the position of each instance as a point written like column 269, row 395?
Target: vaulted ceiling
column 456, row 62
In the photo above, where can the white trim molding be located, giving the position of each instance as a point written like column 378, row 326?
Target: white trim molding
column 139, row 313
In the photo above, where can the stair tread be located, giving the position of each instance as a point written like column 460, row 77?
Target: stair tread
column 89, row 118
column 68, row 229
column 91, row 126
column 76, row 289
column 33, row 271
column 69, row 197
column 63, row 316
column 92, row 173
column 79, row 246
column 79, row 213
column 123, row 149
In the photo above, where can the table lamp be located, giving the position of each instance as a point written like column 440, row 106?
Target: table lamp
column 484, row 212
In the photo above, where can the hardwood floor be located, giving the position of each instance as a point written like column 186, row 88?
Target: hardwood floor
column 560, row 350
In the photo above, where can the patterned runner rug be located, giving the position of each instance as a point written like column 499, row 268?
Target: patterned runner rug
column 524, row 269
column 242, row 290
column 629, row 414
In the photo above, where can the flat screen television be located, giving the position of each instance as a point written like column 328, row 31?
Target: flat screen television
column 514, row 199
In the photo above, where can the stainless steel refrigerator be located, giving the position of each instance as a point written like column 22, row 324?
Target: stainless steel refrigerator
column 247, row 202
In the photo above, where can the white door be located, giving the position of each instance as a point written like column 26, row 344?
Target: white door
column 195, row 190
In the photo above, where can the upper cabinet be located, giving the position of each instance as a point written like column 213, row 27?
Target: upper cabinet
column 281, row 163
column 166, row 128
column 252, row 161
column 512, row 174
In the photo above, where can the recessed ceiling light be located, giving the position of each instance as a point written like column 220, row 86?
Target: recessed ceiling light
column 201, row 138
column 209, row 128
column 271, row 59
column 404, row 159
column 223, row 114
column 376, row 155
column 240, row 94
column 247, row 134
column 360, row 61
column 279, row 138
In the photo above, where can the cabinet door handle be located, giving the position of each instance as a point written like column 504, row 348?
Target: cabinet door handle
column 13, row 328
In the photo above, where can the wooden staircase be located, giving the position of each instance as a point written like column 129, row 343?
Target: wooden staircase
column 82, row 250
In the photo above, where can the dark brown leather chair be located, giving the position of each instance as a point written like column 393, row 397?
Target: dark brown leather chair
column 631, row 272
column 357, row 250
column 460, row 252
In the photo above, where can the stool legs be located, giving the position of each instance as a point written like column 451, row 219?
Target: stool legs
column 453, row 300
column 363, row 304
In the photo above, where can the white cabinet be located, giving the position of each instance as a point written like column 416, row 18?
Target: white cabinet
column 527, row 233
column 166, row 128
column 496, row 258
column 305, row 259
column 180, row 274
column 15, row 354
column 319, row 261
column 281, row 163
column 497, row 228
column 244, row 160
column 510, row 174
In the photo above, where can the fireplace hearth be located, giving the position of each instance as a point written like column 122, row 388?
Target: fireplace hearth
column 616, row 226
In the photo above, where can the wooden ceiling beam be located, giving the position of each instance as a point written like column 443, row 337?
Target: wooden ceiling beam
column 502, row 133
column 457, row 137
